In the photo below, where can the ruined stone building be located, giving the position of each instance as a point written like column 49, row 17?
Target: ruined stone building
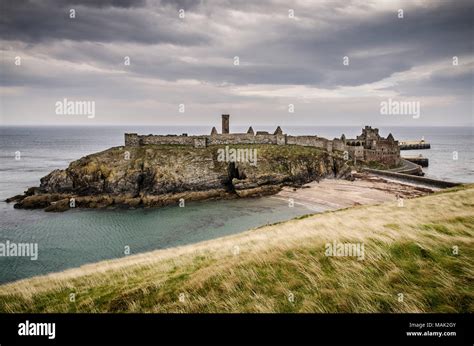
column 369, row 146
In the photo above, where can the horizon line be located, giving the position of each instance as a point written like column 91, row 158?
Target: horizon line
column 236, row 125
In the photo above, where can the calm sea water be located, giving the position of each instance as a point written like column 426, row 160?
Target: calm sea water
column 77, row 237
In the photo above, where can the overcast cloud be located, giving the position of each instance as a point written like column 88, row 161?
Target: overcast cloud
column 283, row 61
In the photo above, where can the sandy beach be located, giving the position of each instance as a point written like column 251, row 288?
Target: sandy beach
column 333, row 194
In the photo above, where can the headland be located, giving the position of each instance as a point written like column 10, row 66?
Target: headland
column 158, row 170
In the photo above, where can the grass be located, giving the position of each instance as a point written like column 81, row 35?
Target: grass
column 409, row 253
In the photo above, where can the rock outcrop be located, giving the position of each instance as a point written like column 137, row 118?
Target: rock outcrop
column 158, row 175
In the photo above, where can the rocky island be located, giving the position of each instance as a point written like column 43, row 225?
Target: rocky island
column 153, row 171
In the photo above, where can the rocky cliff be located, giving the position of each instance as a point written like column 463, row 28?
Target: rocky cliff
column 161, row 175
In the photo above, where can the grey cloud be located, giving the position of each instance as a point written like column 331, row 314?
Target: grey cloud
column 272, row 48
column 182, row 4
column 110, row 21
column 296, row 55
column 459, row 86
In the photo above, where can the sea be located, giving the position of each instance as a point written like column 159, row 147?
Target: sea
column 76, row 237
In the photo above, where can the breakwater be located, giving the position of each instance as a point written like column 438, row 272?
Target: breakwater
column 413, row 145
column 413, row 178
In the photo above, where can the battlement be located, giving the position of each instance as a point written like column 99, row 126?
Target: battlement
column 369, row 146
column 135, row 140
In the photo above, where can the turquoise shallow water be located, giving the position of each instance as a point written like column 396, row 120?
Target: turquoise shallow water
column 70, row 239
column 77, row 237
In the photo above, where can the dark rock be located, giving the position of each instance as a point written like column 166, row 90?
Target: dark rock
column 16, row 198
column 33, row 191
column 59, row 206
column 38, row 201
column 160, row 175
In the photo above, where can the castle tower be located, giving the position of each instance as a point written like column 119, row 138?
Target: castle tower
column 225, row 123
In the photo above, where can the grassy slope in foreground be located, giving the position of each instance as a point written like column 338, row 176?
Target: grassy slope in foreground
column 408, row 250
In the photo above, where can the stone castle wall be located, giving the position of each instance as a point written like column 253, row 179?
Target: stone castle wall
column 241, row 138
column 384, row 150
column 356, row 152
column 132, row 140
column 160, row 140
column 338, row 144
column 135, row 140
column 307, row 141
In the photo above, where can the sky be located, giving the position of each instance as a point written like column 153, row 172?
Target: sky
column 318, row 63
